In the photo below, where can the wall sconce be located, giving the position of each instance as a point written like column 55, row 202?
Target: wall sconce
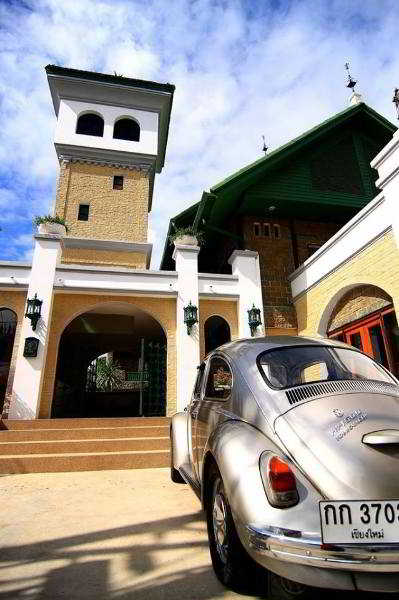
column 31, row 347
column 33, row 310
column 254, row 319
column 190, row 316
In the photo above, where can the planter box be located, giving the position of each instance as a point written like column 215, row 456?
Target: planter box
column 52, row 228
column 186, row 240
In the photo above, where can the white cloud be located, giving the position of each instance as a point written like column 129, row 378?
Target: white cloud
column 241, row 69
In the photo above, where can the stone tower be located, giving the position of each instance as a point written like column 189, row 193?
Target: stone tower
column 110, row 139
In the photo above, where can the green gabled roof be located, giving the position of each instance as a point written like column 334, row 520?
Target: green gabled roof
column 273, row 158
column 228, row 192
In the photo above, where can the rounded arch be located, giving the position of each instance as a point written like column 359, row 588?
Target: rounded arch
column 216, row 332
column 127, row 128
column 90, row 123
column 329, row 306
column 8, row 326
column 136, row 343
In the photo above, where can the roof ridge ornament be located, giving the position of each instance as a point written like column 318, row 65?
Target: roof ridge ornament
column 395, row 99
column 265, row 148
column 355, row 98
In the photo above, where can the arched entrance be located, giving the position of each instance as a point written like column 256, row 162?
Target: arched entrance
column 365, row 318
column 111, row 363
column 217, row 332
column 8, row 325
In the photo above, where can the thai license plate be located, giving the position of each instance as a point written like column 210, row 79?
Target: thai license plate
column 360, row 522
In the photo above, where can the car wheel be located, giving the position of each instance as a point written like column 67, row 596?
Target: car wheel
column 174, row 473
column 281, row 588
column 231, row 563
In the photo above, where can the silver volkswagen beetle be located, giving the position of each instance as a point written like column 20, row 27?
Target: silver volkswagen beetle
column 292, row 445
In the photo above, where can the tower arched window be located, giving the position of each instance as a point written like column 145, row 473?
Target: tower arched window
column 127, row 129
column 90, row 124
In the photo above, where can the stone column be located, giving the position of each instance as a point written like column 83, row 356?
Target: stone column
column 188, row 346
column 245, row 266
column 29, row 372
column 387, row 164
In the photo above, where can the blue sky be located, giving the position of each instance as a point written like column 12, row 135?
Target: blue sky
column 241, row 69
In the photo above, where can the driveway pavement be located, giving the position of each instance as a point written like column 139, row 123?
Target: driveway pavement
column 103, row 535
column 106, row 535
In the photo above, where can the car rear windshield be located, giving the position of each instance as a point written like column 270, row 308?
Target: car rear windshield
column 288, row 367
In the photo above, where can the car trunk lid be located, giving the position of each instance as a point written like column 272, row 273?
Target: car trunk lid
column 347, row 444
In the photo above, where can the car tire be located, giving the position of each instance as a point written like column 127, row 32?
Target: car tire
column 231, row 563
column 281, row 588
column 174, row 473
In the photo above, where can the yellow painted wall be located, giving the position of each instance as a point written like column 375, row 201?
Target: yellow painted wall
column 377, row 265
column 223, row 308
column 134, row 260
column 68, row 306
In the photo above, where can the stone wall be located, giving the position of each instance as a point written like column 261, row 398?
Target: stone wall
column 114, row 214
column 276, row 258
column 357, row 304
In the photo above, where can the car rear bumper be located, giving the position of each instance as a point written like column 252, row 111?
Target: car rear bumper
column 297, row 547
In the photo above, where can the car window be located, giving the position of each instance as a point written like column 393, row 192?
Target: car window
column 220, row 379
column 291, row 366
column 198, row 381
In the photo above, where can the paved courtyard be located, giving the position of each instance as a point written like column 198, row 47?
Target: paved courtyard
column 105, row 535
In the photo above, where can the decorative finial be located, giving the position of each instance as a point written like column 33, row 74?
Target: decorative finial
column 355, row 98
column 351, row 82
column 264, row 149
column 395, row 99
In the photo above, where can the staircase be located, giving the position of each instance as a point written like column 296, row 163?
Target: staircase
column 55, row 445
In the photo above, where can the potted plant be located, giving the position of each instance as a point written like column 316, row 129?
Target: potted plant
column 109, row 375
column 186, row 236
column 49, row 224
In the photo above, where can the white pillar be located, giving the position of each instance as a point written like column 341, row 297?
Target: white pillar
column 245, row 266
column 188, row 346
column 29, row 372
column 387, row 164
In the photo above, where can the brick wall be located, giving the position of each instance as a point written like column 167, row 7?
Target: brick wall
column 356, row 304
column 376, row 265
column 67, row 306
column 276, row 257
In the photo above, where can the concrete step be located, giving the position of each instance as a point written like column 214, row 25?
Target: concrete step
column 18, row 425
column 89, row 433
column 66, row 447
column 49, row 463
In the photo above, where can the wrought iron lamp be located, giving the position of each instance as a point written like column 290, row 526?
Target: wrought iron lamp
column 254, row 319
column 190, row 316
column 34, row 310
column 396, row 100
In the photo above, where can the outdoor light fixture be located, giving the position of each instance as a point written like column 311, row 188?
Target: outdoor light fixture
column 33, row 310
column 190, row 316
column 254, row 319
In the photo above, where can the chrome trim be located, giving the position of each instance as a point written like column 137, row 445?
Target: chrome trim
column 306, row 549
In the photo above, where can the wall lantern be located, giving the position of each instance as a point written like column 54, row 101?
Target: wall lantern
column 254, row 319
column 31, row 347
column 190, row 316
column 33, row 310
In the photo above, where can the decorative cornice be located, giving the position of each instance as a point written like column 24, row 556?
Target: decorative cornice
column 148, row 169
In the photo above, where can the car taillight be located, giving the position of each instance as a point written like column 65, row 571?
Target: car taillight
column 278, row 480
